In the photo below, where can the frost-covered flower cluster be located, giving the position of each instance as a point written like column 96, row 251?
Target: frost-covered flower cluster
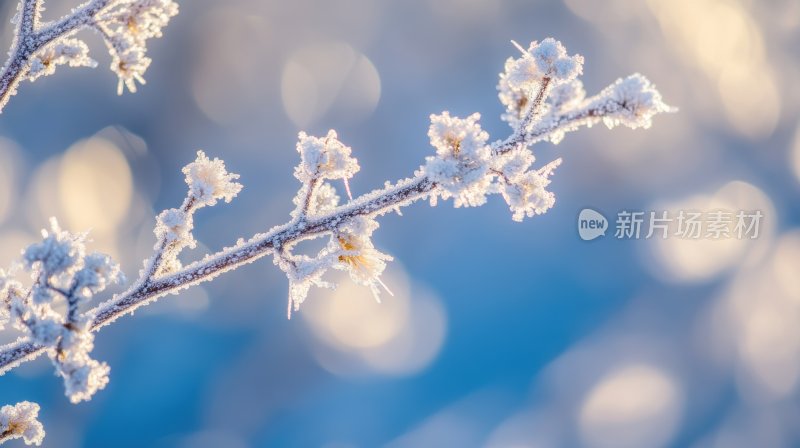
column 462, row 159
column 542, row 64
column 125, row 25
column 544, row 99
column 349, row 245
column 62, row 272
column 20, row 421
column 209, row 181
column 72, row 52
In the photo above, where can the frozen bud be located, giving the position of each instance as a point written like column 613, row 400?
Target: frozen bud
column 20, row 421
column 98, row 271
column 304, row 272
column 358, row 256
column 324, row 158
column 130, row 65
column 127, row 29
column 462, row 158
column 83, row 378
column 632, row 102
column 514, row 99
column 175, row 225
column 209, row 181
column 57, row 253
column 145, row 18
column 546, row 59
column 524, row 189
column 73, row 52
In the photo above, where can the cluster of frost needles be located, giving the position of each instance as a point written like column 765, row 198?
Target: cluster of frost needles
column 543, row 97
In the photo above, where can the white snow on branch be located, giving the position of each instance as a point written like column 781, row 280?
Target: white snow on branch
column 20, row 421
column 125, row 25
column 543, row 99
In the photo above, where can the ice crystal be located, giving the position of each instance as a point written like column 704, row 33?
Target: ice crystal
column 20, row 421
column 209, row 181
column 544, row 100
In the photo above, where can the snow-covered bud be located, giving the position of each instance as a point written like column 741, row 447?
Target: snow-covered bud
column 523, row 188
column 358, row 256
column 462, row 158
column 324, row 158
column 130, row 65
column 209, row 181
column 98, row 271
column 57, row 253
column 304, row 272
column 20, row 421
column 83, row 376
column 175, row 225
column 631, row 102
column 546, row 59
column 127, row 28
column 145, row 18
column 73, row 52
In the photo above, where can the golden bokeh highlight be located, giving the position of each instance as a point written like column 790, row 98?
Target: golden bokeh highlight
column 399, row 336
column 723, row 41
column 89, row 188
column 95, row 186
column 634, row 406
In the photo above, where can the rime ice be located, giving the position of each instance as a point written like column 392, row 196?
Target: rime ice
column 209, row 181
column 20, row 421
column 544, row 100
column 62, row 271
column 125, row 26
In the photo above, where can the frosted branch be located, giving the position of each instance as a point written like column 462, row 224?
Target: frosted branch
column 543, row 100
column 125, row 25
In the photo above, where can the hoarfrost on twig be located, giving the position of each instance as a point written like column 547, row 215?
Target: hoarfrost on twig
column 544, row 100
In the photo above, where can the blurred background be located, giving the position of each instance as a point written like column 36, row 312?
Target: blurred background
column 499, row 334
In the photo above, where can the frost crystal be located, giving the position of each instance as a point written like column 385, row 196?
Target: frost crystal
column 543, row 99
column 523, row 188
column 57, row 253
column 73, row 52
column 548, row 59
column 325, row 158
column 62, row 269
column 175, row 225
column 636, row 101
column 20, row 421
column 358, row 256
column 127, row 27
column 83, row 376
column 461, row 161
column 209, row 181
column 304, row 272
